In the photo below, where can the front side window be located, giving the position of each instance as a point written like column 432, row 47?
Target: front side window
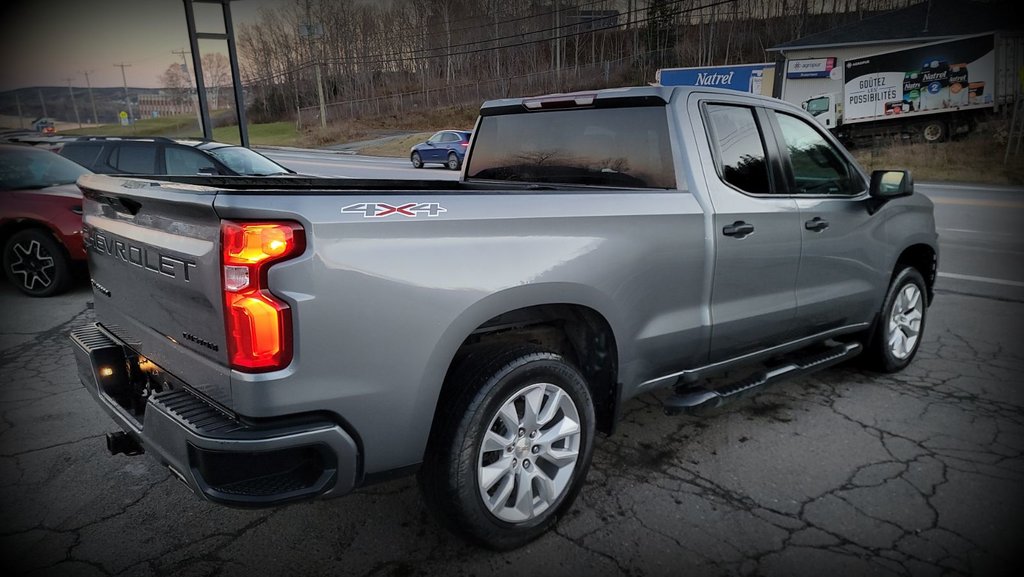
column 185, row 161
column 618, row 147
column 136, row 159
column 739, row 149
column 818, row 167
column 436, row 137
column 246, row 162
column 816, row 106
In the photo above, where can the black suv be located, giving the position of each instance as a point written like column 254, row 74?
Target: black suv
column 159, row 155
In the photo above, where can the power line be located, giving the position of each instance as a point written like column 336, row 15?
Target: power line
column 412, row 54
column 416, row 53
column 505, row 21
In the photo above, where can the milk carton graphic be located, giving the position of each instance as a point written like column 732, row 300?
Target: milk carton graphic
column 934, row 85
column 959, row 88
column 912, row 90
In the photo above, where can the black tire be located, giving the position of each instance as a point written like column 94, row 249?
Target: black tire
column 453, row 161
column 934, row 131
column 417, row 162
column 36, row 263
column 485, row 382
column 879, row 354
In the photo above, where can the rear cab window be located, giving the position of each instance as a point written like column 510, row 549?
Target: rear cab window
column 617, row 147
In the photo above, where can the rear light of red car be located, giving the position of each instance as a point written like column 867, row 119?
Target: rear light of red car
column 258, row 324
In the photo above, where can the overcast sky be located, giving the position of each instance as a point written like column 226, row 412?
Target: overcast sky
column 43, row 42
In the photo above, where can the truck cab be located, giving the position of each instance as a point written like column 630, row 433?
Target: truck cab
column 827, row 109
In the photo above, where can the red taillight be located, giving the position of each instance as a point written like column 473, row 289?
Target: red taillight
column 464, row 143
column 259, row 328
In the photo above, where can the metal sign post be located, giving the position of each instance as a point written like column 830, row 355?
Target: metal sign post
column 236, row 77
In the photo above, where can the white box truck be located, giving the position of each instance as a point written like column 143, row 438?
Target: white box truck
column 926, row 93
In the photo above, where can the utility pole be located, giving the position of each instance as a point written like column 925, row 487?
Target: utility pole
column 92, row 101
column 42, row 101
column 128, row 102
column 21, row 119
column 188, row 78
column 71, row 91
column 316, row 67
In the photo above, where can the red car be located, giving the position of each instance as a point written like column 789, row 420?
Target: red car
column 40, row 219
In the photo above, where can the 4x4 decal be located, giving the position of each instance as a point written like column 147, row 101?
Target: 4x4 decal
column 380, row 209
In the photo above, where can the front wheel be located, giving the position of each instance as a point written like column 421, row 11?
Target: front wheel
column 900, row 326
column 36, row 263
column 510, row 451
column 417, row 162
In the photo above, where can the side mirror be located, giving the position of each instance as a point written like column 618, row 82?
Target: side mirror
column 886, row 184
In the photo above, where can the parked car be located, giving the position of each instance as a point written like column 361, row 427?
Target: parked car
column 447, row 147
column 158, row 155
column 40, row 219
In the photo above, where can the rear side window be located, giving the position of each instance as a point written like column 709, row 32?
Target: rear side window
column 136, row 159
column 84, row 154
column 739, row 149
column 620, row 147
column 185, row 161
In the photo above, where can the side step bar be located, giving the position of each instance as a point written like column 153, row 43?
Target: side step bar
column 691, row 398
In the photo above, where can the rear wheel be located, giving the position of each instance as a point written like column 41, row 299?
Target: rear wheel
column 509, row 453
column 417, row 162
column 36, row 263
column 934, row 131
column 453, row 161
column 900, row 325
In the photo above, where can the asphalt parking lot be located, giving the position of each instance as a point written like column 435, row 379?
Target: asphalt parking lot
column 840, row 473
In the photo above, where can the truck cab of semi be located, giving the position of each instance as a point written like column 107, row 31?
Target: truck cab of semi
column 826, row 108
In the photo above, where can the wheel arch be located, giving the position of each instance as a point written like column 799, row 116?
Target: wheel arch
column 922, row 257
column 14, row 226
column 577, row 329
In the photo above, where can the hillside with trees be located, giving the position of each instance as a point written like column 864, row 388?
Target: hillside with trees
column 410, row 56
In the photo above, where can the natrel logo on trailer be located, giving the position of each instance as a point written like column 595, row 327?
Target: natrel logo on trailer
column 714, row 79
column 754, row 78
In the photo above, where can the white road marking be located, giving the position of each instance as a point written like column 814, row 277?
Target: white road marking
column 968, row 187
column 983, row 279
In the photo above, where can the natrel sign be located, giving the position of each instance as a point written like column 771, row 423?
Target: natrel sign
column 754, row 78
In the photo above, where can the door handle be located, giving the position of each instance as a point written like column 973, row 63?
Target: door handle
column 816, row 224
column 738, row 229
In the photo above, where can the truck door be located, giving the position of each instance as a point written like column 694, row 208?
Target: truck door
column 842, row 278
column 755, row 230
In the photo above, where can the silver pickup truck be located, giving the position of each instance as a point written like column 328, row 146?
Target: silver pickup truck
column 269, row 341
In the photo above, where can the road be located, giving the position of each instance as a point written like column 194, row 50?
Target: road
column 981, row 243
column 844, row 472
column 354, row 166
column 980, row 237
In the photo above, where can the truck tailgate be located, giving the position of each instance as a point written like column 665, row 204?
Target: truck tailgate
column 153, row 251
